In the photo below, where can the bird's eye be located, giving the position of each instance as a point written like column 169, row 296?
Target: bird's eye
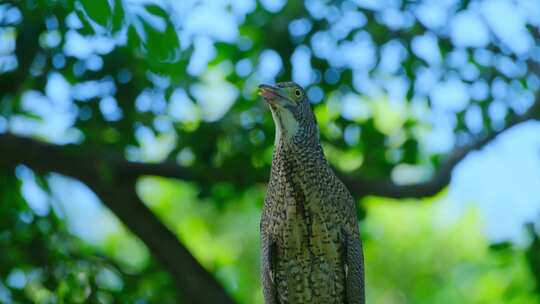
column 297, row 92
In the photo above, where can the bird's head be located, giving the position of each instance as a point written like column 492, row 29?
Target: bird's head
column 291, row 112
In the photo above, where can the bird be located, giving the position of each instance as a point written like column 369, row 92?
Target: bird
column 311, row 250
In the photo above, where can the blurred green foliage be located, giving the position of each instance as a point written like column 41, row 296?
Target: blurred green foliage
column 412, row 254
column 41, row 262
column 132, row 90
column 415, row 255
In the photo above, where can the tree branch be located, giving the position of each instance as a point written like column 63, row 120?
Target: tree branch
column 113, row 179
column 360, row 187
column 118, row 193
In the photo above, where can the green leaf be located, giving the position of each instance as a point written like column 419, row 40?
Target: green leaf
column 118, row 16
column 410, row 149
column 156, row 10
column 163, row 46
column 98, row 10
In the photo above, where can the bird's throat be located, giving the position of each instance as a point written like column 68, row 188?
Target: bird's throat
column 286, row 125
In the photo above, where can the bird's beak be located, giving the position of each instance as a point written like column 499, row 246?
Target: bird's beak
column 271, row 94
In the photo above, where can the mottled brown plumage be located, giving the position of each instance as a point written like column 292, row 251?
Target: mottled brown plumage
column 310, row 246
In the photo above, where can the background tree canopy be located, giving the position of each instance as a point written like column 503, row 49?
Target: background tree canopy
column 149, row 107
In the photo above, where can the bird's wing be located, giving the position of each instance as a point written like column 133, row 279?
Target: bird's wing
column 353, row 258
column 354, row 268
column 268, row 262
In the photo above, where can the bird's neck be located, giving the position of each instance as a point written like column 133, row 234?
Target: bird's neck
column 295, row 154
